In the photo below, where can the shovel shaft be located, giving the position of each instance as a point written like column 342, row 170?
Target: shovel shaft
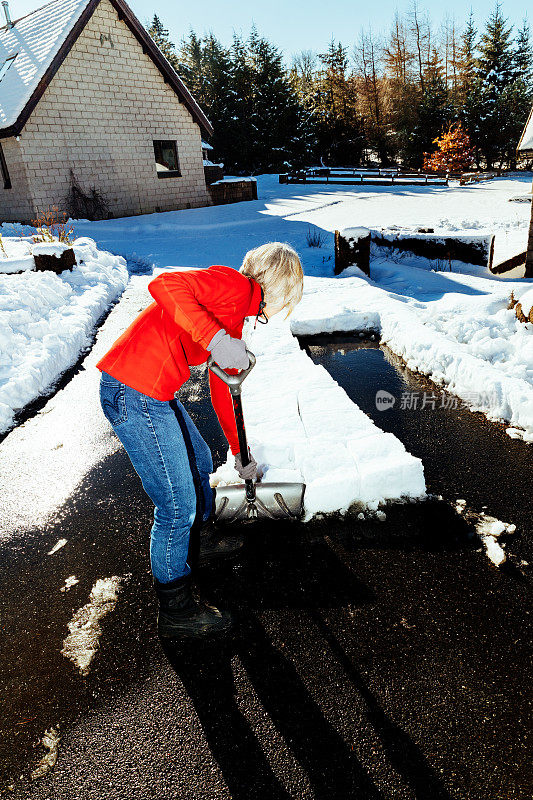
column 243, row 442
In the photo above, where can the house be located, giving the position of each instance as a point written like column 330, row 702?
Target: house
column 92, row 116
column 525, row 147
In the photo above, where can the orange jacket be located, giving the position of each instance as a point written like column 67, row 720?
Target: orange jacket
column 154, row 353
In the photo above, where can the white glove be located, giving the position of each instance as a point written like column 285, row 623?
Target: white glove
column 249, row 472
column 229, row 353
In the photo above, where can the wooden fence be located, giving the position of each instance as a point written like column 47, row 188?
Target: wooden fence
column 376, row 177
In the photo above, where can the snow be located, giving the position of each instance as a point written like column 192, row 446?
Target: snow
column 354, row 234
column 50, row 742
column 304, row 427
column 452, row 326
column 82, row 642
column 35, row 40
column 526, row 141
column 489, row 529
column 16, row 254
column 234, row 180
column 526, row 301
column 49, row 249
column 47, row 457
column 61, row 543
column 69, row 583
column 47, row 320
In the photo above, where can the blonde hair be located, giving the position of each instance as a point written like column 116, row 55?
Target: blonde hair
column 277, row 269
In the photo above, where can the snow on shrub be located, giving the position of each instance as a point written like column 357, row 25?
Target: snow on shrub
column 524, row 307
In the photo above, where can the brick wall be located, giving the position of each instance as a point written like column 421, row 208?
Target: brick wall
column 99, row 117
column 15, row 203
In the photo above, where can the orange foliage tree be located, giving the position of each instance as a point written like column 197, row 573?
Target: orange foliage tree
column 454, row 151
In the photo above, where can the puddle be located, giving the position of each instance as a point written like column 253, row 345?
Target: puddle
column 464, row 454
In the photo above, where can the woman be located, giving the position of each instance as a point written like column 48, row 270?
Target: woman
column 195, row 313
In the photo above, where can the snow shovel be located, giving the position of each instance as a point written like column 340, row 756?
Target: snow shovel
column 252, row 501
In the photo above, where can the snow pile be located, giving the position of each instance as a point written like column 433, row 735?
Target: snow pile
column 81, row 644
column 48, row 455
column 16, row 254
column 46, row 320
column 302, row 426
column 526, row 302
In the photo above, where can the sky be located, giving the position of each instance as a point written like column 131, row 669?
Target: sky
column 294, row 25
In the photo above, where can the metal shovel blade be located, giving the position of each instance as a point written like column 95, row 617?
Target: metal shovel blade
column 272, row 501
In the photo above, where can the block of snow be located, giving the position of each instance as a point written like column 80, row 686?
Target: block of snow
column 302, row 425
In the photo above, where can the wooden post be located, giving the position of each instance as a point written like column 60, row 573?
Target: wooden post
column 529, row 254
column 352, row 247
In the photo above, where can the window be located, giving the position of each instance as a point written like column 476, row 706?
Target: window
column 3, row 170
column 5, row 66
column 166, row 159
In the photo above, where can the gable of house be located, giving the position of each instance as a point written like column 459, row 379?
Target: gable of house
column 526, row 140
column 101, row 121
column 35, row 46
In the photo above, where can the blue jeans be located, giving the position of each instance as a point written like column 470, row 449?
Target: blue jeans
column 173, row 462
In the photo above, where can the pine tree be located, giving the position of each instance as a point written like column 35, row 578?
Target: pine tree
column 523, row 56
column 434, row 112
column 340, row 136
column 468, row 54
column 495, row 71
column 274, row 113
column 191, row 66
column 495, row 63
column 161, row 37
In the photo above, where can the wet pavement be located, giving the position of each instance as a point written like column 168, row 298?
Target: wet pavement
column 371, row 660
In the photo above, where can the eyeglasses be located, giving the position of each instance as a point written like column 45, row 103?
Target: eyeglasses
column 261, row 316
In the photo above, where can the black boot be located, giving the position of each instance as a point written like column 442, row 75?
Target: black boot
column 214, row 545
column 183, row 615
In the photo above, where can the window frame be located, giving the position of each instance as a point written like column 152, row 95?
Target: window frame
column 171, row 173
column 6, row 65
column 4, row 172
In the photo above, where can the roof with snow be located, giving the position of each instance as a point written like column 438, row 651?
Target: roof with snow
column 526, row 140
column 33, row 49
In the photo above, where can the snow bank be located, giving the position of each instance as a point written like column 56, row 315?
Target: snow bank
column 526, row 301
column 46, row 320
column 15, row 254
column 455, row 329
column 47, row 456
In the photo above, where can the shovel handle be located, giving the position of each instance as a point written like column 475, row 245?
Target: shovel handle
column 233, row 381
